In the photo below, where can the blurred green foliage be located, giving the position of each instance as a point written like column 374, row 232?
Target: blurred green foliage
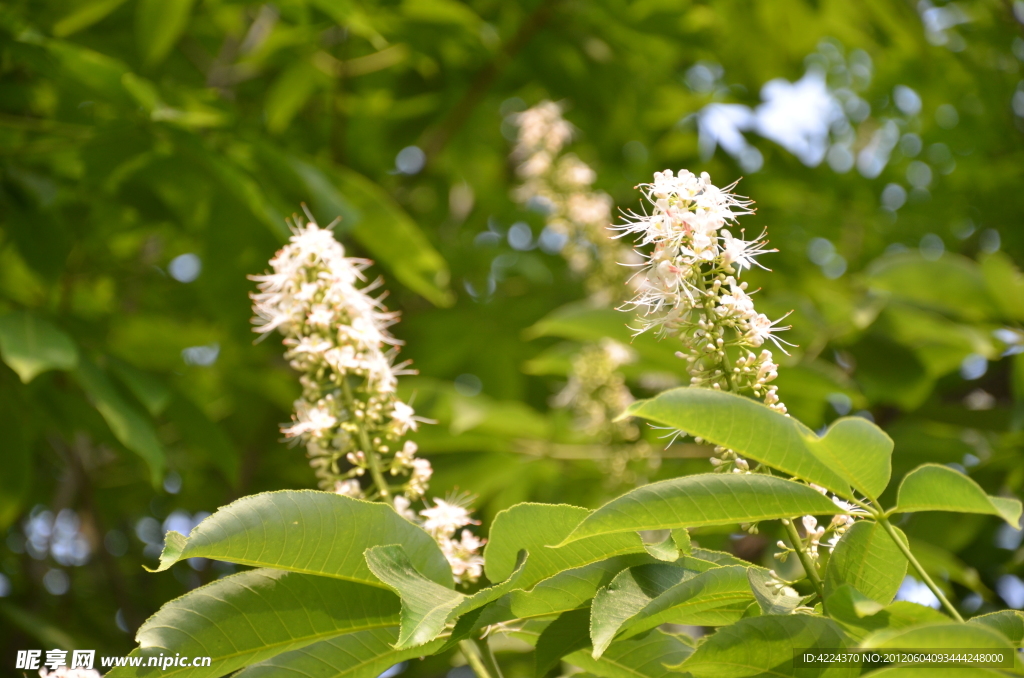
column 150, row 151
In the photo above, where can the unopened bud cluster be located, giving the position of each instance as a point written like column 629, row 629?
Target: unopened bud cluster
column 560, row 185
column 596, row 394
column 349, row 417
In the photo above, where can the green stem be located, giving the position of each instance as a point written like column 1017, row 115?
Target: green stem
column 469, row 648
column 372, row 460
column 805, row 560
column 887, row 526
column 490, row 661
column 724, row 361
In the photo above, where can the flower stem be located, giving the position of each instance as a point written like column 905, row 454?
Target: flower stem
column 707, row 313
column 805, row 560
column 478, row 657
column 372, row 460
column 887, row 526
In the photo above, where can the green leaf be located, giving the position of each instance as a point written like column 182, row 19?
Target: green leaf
column 30, row 344
column 764, row 646
column 84, row 16
column 533, row 527
column 289, row 93
column 643, row 597
column 254, row 615
column 91, row 69
column 646, row 656
column 849, row 601
column 770, row 599
column 1005, row 284
column 939, row 636
column 371, row 216
column 129, row 426
column 952, row 284
column 582, row 322
column 38, row 628
column 861, row 615
column 1009, row 623
column 16, row 479
column 158, row 25
column 151, row 391
column 867, row 559
column 568, row 590
column 394, row 239
column 932, row 672
column 673, row 544
column 307, row 531
column 427, row 607
column 932, row 487
column 563, row 636
column 706, row 499
column 627, row 595
column 852, row 452
column 363, row 654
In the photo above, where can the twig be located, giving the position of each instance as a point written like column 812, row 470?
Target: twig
column 887, row 526
column 805, row 560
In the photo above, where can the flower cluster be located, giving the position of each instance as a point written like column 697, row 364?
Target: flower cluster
column 337, row 336
column 597, row 391
column 690, row 287
column 560, row 185
column 443, row 520
column 815, row 533
column 349, row 416
column 596, row 394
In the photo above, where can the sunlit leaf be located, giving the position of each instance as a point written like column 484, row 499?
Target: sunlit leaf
column 30, row 344
column 363, row 654
column 1009, row 623
column 158, row 25
column 647, row 656
column 939, row 636
column 852, row 452
column 867, row 559
column 255, row 615
column 84, row 16
column 932, row 487
column 770, row 598
column 534, row 527
column 307, row 531
column 861, row 616
column 706, row 499
column 764, row 646
column 426, row 605
column 643, row 597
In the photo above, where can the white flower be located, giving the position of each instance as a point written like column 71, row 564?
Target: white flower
column 689, row 288
column 418, row 479
column 337, row 335
column 310, row 420
column 559, row 185
column 467, row 565
column 444, row 518
column 402, row 506
column 348, row 488
column 404, row 418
